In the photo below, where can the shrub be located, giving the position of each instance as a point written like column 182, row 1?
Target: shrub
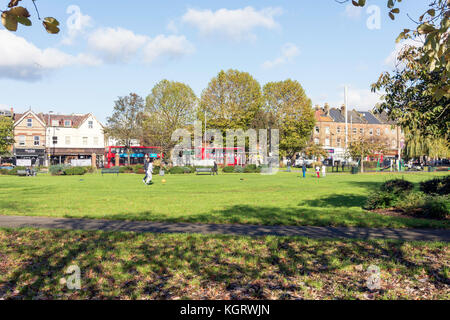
column 436, row 207
column 228, row 169
column 238, row 169
column 439, row 186
column 57, row 170
column 380, row 200
column 139, row 168
column 4, row 171
column 397, row 186
column 179, row 170
column 75, row 171
column 90, row 169
column 252, row 168
column 411, row 202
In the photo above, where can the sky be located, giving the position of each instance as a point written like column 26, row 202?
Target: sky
column 108, row 49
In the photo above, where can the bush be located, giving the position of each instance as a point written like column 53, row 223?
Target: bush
column 238, row 169
column 440, row 186
column 380, row 200
column 4, row 171
column 90, row 169
column 139, row 168
column 436, row 207
column 397, row 186
column 252, row 168
column 57, row 170
column 75, row 171
column 411, row 202
column 228, row 169
column 179, row 170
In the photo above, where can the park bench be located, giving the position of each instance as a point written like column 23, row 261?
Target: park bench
column 111, row 170
column 204, row 170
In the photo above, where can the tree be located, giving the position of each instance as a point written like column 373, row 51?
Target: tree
column 170, row 106
column 292, row 110
column 231, row 100
column 364, row 146
column 418, row 146
column 316, row 151
column 125, row 124
column 6, row 135
column 16, row 14
column 433, row 27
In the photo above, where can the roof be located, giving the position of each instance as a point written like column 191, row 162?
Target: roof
column 322, row 117
column 370, row 118
column 47, row 119
column 6, row 113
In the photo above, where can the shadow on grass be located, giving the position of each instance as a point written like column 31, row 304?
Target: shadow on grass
column 162, row 266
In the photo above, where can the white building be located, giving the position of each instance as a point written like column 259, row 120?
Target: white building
column 76, row 139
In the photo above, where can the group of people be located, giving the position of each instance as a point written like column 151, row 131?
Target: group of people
column 324, row 170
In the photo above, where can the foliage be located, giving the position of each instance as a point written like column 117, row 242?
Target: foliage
column 231, row 100
column 228, row 169
column 411, row 202
column 139, row 168
column 57, row 170
column 397, row 186
column 170, row 106
column 6, row 134
column 437, row 207
column 418, row 145
column 291, row 109
column 125, row 124
column 252, row 168
column 380, row 200
column 238, row 169
column 364, row 146
column 315, row 151
column 16, row 14
column 440, row 186
column 180, row 170
column 75, row 171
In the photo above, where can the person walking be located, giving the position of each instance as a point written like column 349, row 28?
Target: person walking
column 304, row 169
column 146, row 164
column 215, row 168
column 149, row 172
column 318, row 171
column 324, row 171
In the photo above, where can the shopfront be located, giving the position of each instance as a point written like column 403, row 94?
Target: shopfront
column 29, row 157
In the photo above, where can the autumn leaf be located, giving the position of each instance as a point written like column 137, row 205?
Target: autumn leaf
column 9, row 21
column 20, row 12
column 13, row 3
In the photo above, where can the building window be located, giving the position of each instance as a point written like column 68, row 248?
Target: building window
column 393, row 131
column 55, row 140
column 327, row 142
column 354, row 131
column 338, row 129
column 29, row 123
column 327, row 130
column 96, row 141
column 67, row 140
column 85, row 141
column 316, row 141
column 361, row 131
column 378, row 132
column 22, row 140
column 91, row 124
column 338, row 141
column 317, row 129
column 371, row 132
column 55, row 123
column 386, row 131
column 67, row 123
column 37, row 140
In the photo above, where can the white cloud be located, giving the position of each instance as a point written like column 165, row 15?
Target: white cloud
column 116, row 44
column 236, row 24
column 22, row 60
column 353, row 12
column 391, row 60
column 172, row 27
column 288, row 52
column 167, row 46
column 77, row 24
column 361, row 99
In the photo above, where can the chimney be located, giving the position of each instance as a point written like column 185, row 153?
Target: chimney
column 343, row 109
column 326, row 109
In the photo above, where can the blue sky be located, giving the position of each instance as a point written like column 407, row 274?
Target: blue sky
column 110, row 49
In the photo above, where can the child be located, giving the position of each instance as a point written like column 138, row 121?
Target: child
column 318, row 171
column 324, row 171
column 149, row 173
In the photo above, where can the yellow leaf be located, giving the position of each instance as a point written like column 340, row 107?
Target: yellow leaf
column 9, row 21
column 20, row 12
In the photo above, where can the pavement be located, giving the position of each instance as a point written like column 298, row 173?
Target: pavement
column 225, row 229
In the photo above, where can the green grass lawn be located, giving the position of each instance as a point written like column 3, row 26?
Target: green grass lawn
column 150, row 266
column 285, row 198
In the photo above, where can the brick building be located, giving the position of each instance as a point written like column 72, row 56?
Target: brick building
column 330, row 130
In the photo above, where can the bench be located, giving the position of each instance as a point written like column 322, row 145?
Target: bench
column 204, row 170
column 23, row 173
column 110, row 170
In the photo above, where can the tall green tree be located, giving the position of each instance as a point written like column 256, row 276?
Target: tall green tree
column 288, row 104
column 231, row 100
column 125, row 124
column 170, row 106
column 6, row 135
column 366, row 146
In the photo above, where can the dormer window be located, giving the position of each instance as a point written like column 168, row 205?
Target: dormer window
column 67, row 123
column 90, row 124
column 29, row 123
column 55, row 123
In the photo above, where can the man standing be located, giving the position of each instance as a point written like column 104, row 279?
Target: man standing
column 215, row 169
column 149, row 172
column 146, row 164
column 304, row 169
